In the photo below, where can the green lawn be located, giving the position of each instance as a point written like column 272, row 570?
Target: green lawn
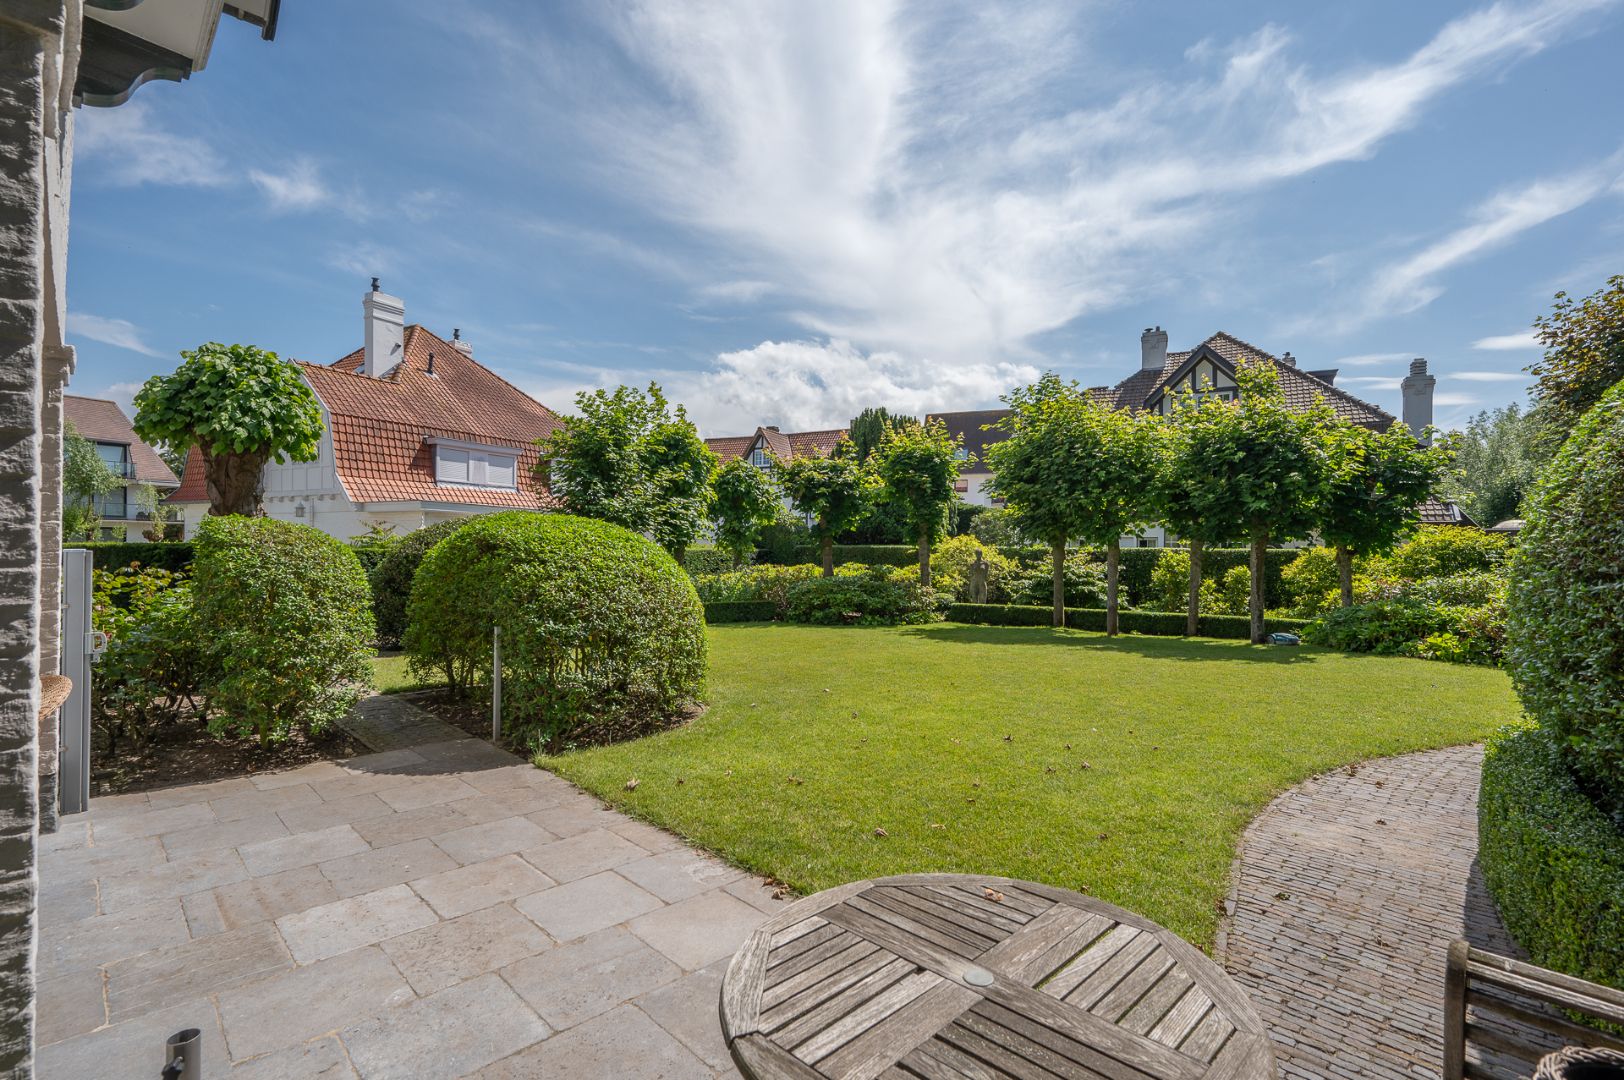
column 1127, row 768
column 392, row 675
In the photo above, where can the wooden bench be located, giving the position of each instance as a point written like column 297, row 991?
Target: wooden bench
column 1491, row 1001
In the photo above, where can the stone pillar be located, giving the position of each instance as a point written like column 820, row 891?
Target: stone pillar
column 38, row 57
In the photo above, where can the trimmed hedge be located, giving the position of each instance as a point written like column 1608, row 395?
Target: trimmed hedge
column 1553, row 862
column 706, row 560
column 1139, row 563
column 111, row 554
column 734, row 611
column 391, row 578
column 1161, row 623
column 867, row 554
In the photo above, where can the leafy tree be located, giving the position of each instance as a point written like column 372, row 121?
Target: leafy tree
column 916, row 465
column 868, row 429
column 829, row 489
column 1499, row 456
column 241, row 406
column 883, row 522
column 1379, row 480
column 1187, row 489
column 84, row 476
column 742, row 504
column 1584, row 357
column 630, row 460
column 1265, row 467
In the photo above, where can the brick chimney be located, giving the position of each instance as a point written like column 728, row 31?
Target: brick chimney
column 1153, row 349
column 385, row 319
column 1417, row 387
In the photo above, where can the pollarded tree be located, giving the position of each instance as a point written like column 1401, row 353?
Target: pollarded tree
column 1266, row 466
column 742, row 503
column 1379, row 481
column 628, row 459
column 1113, row 452
column 831, row 490
column 916, row 465
column 1035, row 471
column 241, row 406
column 1187, row 492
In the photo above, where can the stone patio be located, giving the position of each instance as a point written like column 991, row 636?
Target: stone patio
column 439, row 908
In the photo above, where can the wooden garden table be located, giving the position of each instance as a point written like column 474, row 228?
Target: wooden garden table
column 947, row 975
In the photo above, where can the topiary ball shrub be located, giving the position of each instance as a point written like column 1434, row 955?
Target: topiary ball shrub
column 603, row 636
column 287, row 616
column 1565, row 605
column 391, row 579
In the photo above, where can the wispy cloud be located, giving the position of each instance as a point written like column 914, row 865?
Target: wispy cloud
column 364, row 259
column 1372, row 382
column 129, row 146
column 117, row 332
column 1490, row 376
column 299, row 187
column 123, row 393
column 1371, row 359
column 1508, row 342
column 1456, row 400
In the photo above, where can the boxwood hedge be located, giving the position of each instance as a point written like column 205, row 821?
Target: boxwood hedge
column 110, row 555
column 391, row 579
column 1170, row 624
column 735, row 611
column 1553, row 861
column 603, row 636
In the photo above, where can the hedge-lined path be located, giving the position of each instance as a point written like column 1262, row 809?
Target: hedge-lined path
column 1347, row 891
column 436, row 908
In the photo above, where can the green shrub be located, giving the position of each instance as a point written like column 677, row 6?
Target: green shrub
column 287, row 614
column 1442, row 550
column 1310, row 584
column 1160, row 623
column 860, row 601
column 1384, row 627
column 106, row 555
column 391, row 578
column 996, row 528
column 1566, row 604
column 1170, row 585
column 372, row 546
column 952, row 559
column 1085, row 582
column 1234, row 591
column 155, row 669
column 1552, row 860
column 705, row 559
column 787, row 542
column 603, row 635
column 737, row 611
column 762, row 582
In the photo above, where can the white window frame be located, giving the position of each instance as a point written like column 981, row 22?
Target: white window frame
column 759, row 458
column 477, row 460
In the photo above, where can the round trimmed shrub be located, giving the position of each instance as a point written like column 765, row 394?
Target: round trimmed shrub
column 287, row 618
column 1565, row 607
column 391, row 578
column 603, row 636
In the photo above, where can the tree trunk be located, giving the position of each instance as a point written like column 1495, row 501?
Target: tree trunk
column 1113, row 566
column 1059, row 552
column 1192, row 624
column 924, row 557
column 1260, row 547
column 235, row 482
column 1344, row 573
column 828, row 543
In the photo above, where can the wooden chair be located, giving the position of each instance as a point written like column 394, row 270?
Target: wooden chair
column 1491, row 1001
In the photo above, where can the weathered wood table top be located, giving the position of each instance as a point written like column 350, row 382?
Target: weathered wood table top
column 945, row 975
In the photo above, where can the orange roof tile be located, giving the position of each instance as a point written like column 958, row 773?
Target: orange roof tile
column 100, row 420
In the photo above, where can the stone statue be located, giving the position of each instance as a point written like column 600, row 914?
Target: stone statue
column 978, row 578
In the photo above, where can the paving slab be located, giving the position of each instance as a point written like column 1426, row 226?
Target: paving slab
column 223, row 834
column 586, row 905
column 251, row 803
column 585, row 978
column 687, row 1009
column 329, row 812
column 348, row 924
column 583, row 854
column 89, row 943
column 411, row 825
column 264, row 899
column 456, row 950
column 301, row 849
column 177, row 877
column 319, row 1059
column 107, row 829
column 68, row 1006
column 287, row 1009
column 700, row 929
column 167, row 976
column 377, row 868
column 624, row 1042
column 506, row 802
column 469, row 888
column 426, row 791
column 476, row 843
column 677, row 875
column 450, row 1033
column 133, row 1048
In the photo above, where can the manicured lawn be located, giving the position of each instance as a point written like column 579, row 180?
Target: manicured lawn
column 392, row 675
column 1127, row 768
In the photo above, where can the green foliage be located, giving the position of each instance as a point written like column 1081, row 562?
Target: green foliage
column 374, row 545
column 107, row 555
column 603, row 635
column 916, row 467
column 84, row 476
column 1370, row 502
column 705, row 559
column 997, row 527
column 742, row 504
column 737, row 611
column 1170, row 584
column 391, row 579
column 832, row 490
column 287, row 614
column 1408, row 626
column 1310, row 582
column 787, row 541
column 1084, row 582
column 1584, row 357
column 1499, row 456
column 760, row 583
column 868, row 429
column 628, row 459
column 241, row 406
column 1552, row 861
column 157, row 668
column 951, row 563
column 1234, row 591
column 860, row 600
column 1566, row 606
column 1159, row 623
column 1441, row 550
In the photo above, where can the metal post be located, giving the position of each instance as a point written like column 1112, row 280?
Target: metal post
column 496, row 684
column 183, row 1055
column 78, row 650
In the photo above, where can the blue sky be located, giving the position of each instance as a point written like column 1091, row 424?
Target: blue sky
column 786, row 212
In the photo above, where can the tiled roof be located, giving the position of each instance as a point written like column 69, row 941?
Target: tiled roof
column 821, row 443
column 783, row 444
column 380, row 426
column 731, row 446
column 1436, row 511
column 103, row 421
column 967, row 426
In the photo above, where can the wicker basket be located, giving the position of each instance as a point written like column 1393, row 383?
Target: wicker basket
column 1581, row 1063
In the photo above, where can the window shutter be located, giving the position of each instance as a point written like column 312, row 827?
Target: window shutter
column 452, row 466
column 499, row 471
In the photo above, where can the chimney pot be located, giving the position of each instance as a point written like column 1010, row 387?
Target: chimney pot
column 459, row 344
column 384, row 319
column 1417, row 387
column 1288, row 359
column 1153, row 349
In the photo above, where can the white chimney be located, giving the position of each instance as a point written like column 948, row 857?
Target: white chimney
column 1287, row 359
column 385, row 318
column 461, row 345
column 1417, row 387
column 1153, row 349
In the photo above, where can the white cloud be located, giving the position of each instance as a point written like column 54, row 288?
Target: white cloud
column 117, row 332
column 124, row 394
column 130, row 147
column 364, row 259
column 1374, row 382
column 1455, row 400
column 1489, row 376
column 1371, row 359
column 299, row 187
column 1508, row 342
column 742, row 292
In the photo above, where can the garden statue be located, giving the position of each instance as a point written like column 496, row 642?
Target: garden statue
column 978, row 579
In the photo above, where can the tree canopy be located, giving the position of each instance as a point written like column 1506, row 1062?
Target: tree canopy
column 831, row 490
column 241, row 406
column 916, row 465
column 630, row 459
column 84, row 476
column 869, row 428
column 1584, row 357
column 1499, row 455
column 742, row 503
